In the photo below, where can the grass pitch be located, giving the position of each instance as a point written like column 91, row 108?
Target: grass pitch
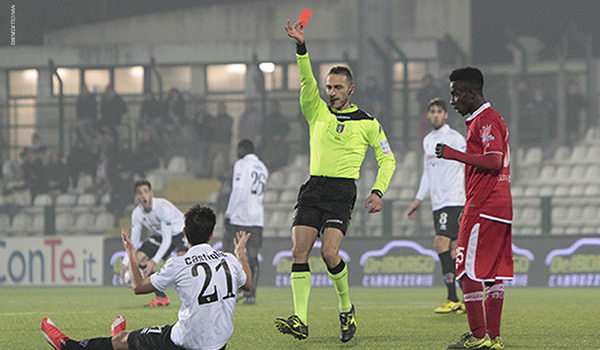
column 534, row 318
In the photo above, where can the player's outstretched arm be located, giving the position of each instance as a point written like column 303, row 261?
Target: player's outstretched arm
column 240, row 242
column 139, row 284
column 490, row 161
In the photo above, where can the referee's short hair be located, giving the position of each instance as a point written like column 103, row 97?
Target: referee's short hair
column 341, row 70
column 141, row 182
column 199, row 224
column 437, row 102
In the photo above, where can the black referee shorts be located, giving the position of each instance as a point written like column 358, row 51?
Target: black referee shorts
column 446, row 221
column 325, row 202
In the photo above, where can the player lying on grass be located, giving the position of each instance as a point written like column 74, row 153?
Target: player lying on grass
column 205, row 280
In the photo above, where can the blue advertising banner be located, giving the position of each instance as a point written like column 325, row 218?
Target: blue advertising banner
column 556, row 261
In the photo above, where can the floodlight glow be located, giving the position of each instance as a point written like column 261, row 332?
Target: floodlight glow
column 236, row 68
column 31, row 74
column 137, row 71
column 267, row 67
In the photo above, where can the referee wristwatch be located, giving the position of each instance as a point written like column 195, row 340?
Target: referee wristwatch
column 378, row 193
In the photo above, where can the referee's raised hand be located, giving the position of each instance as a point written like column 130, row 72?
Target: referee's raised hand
column 295, row 32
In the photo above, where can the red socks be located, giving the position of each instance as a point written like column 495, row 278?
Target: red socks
column 494, row 298
column 473, row 294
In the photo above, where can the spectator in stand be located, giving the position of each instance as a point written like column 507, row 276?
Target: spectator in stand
column 38, row 147
column 81, row 159
column 426, row 93
column 220, row 141
column 276, row 152
column 275, row 149
column 86, row 107
column 121, row 182
column 146, row 155
column 12, row 174
column 576, row 105
column 34, row 173
column 149, row 111
column 203, row 120
column 429, row 91
column 58, row 174
column 202, row 127
column 86, row 110
column 112, row 108
column 370, row 100
column 125, row 155
column 175, row 107
column 275, row 123
column 538, row 120
column 101, row 182
column 108, row 145
column 250, row 125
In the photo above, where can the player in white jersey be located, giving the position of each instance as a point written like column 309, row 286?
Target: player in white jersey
column 205, row 280
column 444, row 180
column 245, row 208
column 160, row 216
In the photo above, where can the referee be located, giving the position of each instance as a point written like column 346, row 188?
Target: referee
column 339, row 136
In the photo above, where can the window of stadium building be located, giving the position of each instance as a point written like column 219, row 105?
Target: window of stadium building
column 22, row 118
column 71, row 79
column 22, row 83
column 97, row 79
column 273, row 75
column 293, row 77
column 129, row 80
column 416, row 71
column 179, row 77
column 226, row 77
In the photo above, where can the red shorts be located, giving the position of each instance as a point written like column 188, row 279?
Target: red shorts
column 484, row 249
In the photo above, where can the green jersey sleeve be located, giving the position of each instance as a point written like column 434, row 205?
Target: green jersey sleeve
column 310, row 101
column 383, row 153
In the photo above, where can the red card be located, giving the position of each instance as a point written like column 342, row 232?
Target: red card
column 304, row 17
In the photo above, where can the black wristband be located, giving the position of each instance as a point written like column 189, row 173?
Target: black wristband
column 301, row 48
column 378, row 193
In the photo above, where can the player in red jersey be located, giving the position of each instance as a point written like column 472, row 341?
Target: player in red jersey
column 484, row 249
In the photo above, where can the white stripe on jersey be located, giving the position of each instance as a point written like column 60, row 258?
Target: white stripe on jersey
column 443, row 179
column 245, row 207
column 206, row 281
